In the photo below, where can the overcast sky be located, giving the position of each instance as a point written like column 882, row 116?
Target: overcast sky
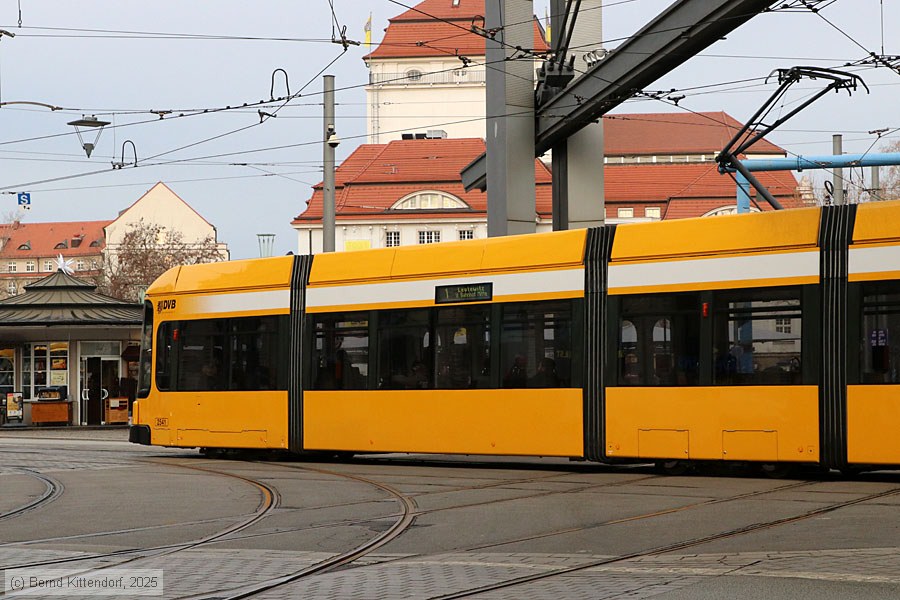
column 107, row 59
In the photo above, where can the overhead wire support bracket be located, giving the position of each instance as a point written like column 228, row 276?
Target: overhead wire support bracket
column 481, row 30
column 343, row 41
column 555, row 72
column 755, row 129
column 801, row 5
column 287, row 85
column 891, row 61
column 120, row 164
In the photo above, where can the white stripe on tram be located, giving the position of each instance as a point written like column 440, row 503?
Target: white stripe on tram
column 565, row 280
column 714, row 270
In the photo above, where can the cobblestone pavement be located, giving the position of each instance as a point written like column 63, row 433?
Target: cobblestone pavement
column 391, row 576
column 112, row 434
column 163, row 504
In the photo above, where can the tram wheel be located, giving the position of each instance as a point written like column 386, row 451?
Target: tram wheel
column 851, row 472
column 672, row 467
column 778, row 470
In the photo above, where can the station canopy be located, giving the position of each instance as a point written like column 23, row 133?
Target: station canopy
column 61, row 299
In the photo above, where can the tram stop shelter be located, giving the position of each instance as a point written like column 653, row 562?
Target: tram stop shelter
column 68, row 355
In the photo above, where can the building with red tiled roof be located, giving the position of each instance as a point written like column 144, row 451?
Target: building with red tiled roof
column 409, row 191
column 437, row 28
column 404, row 191
column 679, row 191
column 675, row 137
column 30, row 251
column 427, row 72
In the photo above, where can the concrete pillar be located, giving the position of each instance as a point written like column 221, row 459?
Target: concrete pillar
column 837, row 173
column 509, row 133
column 583, row 163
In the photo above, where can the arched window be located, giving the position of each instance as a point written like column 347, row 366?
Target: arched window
column 429, row 200
column 414, row 75
column 727, row 210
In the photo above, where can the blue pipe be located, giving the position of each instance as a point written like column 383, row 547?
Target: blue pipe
column 799, row 163
column 743, row 193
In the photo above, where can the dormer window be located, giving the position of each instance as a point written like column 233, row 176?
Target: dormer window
column 95, row 244
column 62, row 245
column 429, row 200
column 25, row 246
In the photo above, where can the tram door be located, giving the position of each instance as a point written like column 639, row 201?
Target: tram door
column 99, row 380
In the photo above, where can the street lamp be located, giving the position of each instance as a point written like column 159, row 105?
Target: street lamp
column 266, row 243
column 91, row 122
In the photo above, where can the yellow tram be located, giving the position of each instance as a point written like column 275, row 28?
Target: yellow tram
column 766, row 337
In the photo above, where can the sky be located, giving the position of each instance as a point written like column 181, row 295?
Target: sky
column 162, row 72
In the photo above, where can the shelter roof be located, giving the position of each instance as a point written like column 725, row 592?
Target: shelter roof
column 60, row 299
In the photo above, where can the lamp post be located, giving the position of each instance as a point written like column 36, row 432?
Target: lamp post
column 266, row 243
column 91, row 122
column 330, row 142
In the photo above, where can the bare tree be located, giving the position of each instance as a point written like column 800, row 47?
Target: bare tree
column 11, row 221
column 147, row 251
column 890, row 177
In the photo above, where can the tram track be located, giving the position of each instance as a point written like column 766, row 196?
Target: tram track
column 420, row 513
column 664, row 549
column 411, row 512
column 269, row 501
column 53, row 489
column 405, row 519
column 82, row 536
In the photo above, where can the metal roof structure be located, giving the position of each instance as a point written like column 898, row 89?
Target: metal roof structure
column 61, row 299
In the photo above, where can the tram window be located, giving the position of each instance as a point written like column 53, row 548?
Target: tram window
column 146, row 365
column 341, row 351
column 463, row 344
column 756, row 338
column 222, row 354
column 536, row 344
column 254, row 354
column 165, row 342
column 659, row 340
column 201, row 362
column 404, row 350
column 880, row 343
